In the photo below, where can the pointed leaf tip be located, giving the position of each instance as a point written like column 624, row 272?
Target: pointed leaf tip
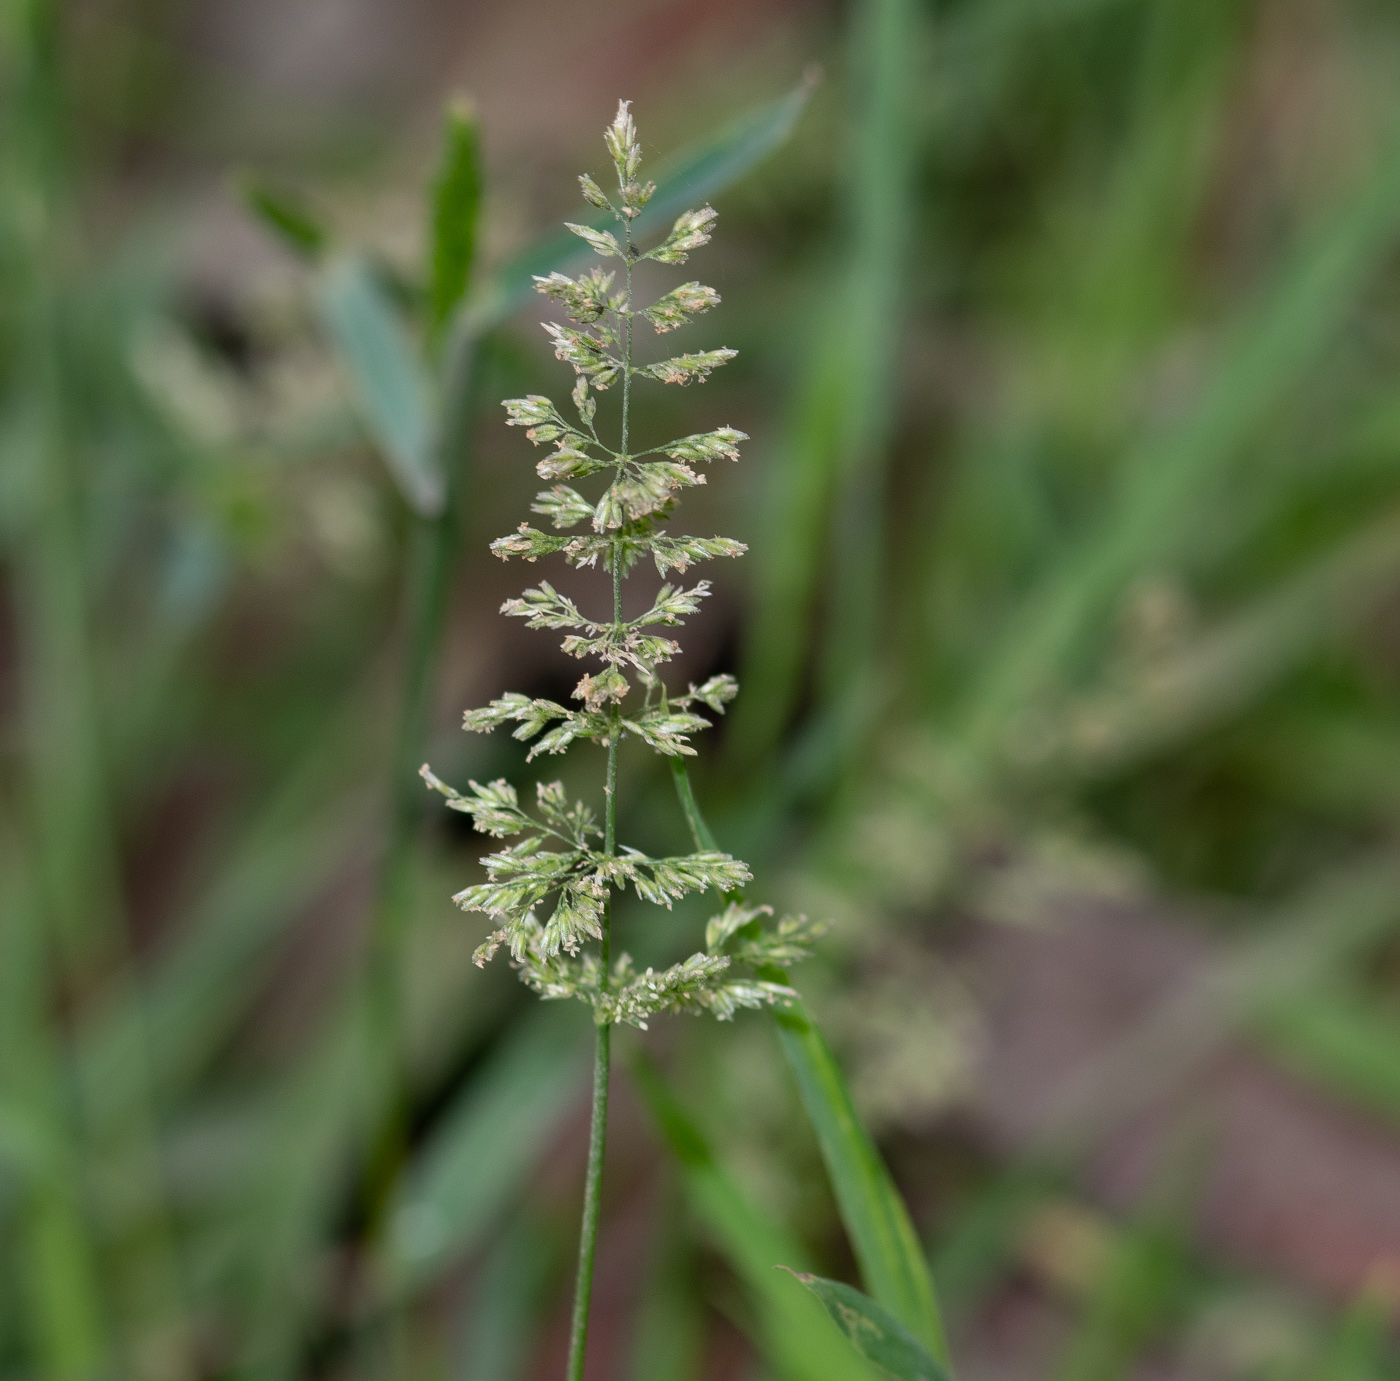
column 456, row 204
column 872, row 1330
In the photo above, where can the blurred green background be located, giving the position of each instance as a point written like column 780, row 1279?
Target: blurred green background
column 1069, row 643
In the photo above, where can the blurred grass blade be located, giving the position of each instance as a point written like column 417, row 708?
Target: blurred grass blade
column 198, row 987
column 1361, row 1346
column 694, row 175
column 285, row 216
column 668, row 1340
column 1151, row 517
column 1227, row 667
column 874, row 1332
column 977, row 1243
column 1341, row 1039
column 798, row 1341
column 48, row 1241
column 432, row 559
column 827, row 485
column 1302, row 946
column 891, row 1259
column 499, row 1327
column 64, row 1292
column 456, row 211
column 388, row 377
column 1140, row 1283
column 313, row 1119
column 481, row 1157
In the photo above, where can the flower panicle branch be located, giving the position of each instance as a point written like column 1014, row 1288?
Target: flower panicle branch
column 549, row 893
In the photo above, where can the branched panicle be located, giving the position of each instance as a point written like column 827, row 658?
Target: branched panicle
column 549, row 893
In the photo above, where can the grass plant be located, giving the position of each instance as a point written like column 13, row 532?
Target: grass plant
column 556, row 856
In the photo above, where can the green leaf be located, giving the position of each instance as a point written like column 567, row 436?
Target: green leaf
column 887, row 1248
column 874, row 1332
column 797, row 1339
column 290, row 221
column 388, row 377
column 456, row 212
column 891, row 1259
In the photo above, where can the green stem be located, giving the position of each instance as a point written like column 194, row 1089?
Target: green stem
column 592, row 1203
column 699, row 829
column 602, row 1053
column 627, row 345
column 425, row 596
column 598, row 1127
column 431, row 558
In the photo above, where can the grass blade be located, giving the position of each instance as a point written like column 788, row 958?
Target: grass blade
column 497, row 1332
column 1230, row 666
column 291, row 222
column 456, row 212
column 978, row 1241
column 52, row 1244
column 1340, row 1039
column 388, row 377
column 798, row 1340
column 874, row 1332
column 474, row 1164
column 887, row 1248
column 433, row 548
column 197, row 988
column 668, row 1342
column 313, row 1120
column 832, row 468
column 1149, row 519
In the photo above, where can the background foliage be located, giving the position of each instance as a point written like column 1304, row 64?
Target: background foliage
column 1067, row 645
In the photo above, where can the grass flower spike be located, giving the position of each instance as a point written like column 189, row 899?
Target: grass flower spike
column 550, row 893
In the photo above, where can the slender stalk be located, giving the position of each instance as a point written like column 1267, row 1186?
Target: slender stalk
column 592, row 1202
column 700, row 830
column 431, row 557
column 602, row 1054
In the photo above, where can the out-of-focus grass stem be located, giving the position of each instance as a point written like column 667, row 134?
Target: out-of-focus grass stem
column 432, row 552
column 433, row 545
column 74, row 908
column 829, row 486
